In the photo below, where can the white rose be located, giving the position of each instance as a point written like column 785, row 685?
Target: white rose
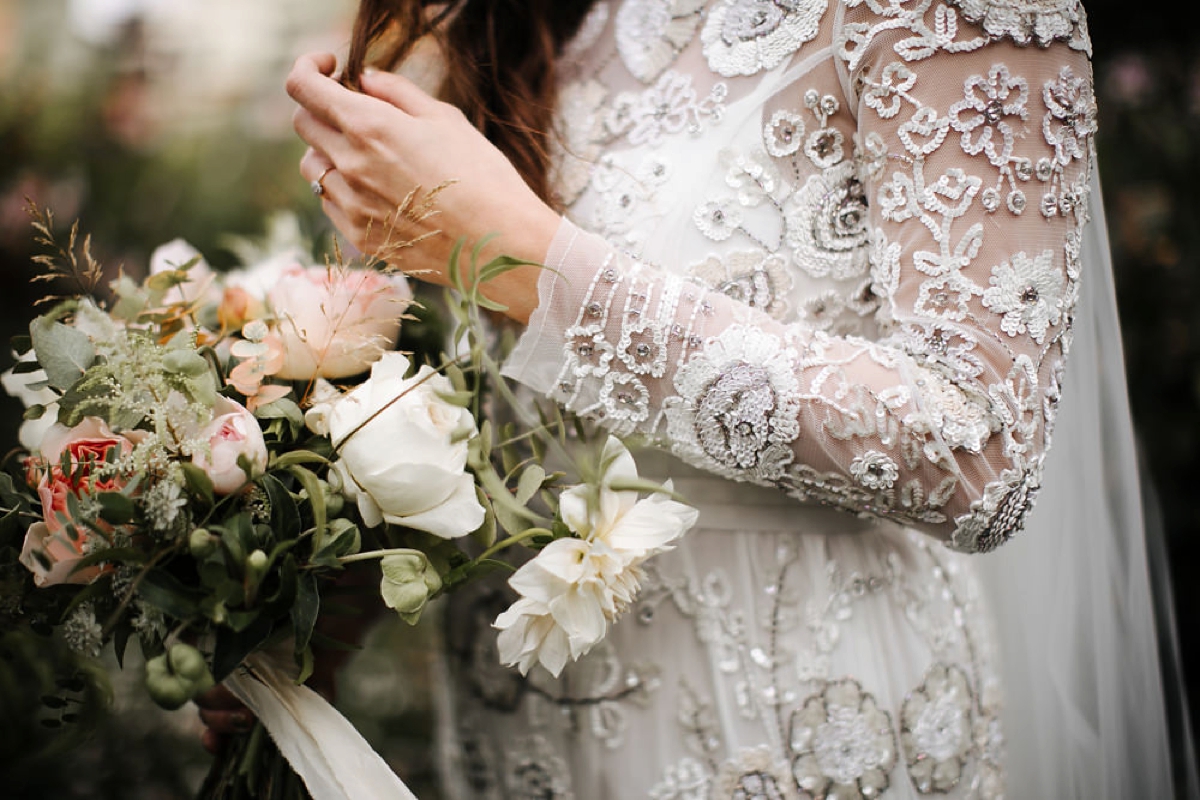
column 407, row 464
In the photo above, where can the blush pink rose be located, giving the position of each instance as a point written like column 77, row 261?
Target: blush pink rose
column 53, row 547
column 233, row 432
column 335, row 322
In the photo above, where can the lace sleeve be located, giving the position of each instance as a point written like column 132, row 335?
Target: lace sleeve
column 974, row 152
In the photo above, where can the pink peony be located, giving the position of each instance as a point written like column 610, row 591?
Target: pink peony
column 233, row 432
column 334, row 322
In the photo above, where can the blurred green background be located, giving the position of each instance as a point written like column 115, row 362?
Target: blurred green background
column 154, row 119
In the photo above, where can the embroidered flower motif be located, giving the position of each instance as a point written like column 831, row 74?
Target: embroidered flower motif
column 936, row 342
column 826, row 225
column 1028, row 292
column 650, row 34
column 1000, row 514
column 753, row 774
column 842, row 743
column 743, row 37
column 753, row 176
column 738, row 407
column 784, row 133
column 1025, row 21
column 924, row 132
column 1070, row 119
column 993, row 100
column 947, row 297
column 756, row 278
column 961, row 417
column 626, row 399
column 936, row 731
column 670, row 106
column 822, row 310
column 642, row 348
column 895, row 81
column 717, row 219
column 687, row 780
column 1016, row 402
column 588, row 352
column 875, row 470
column 534, row 769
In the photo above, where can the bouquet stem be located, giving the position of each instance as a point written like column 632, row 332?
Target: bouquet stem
column 251, row 766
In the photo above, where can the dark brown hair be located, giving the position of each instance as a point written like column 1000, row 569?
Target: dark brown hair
column 500, row 58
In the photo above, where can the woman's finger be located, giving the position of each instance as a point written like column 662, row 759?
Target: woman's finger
column 319, row 135
column 227, row 723
column 313, row 164
column 218, row 698
column 399, row 91
column 309, row 84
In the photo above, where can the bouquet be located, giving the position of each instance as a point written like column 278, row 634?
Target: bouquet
column 205, row 456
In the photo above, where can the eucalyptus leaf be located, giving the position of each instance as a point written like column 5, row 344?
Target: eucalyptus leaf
column 64, row 352
column 530, row 481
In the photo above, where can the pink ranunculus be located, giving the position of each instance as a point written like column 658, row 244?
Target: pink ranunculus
column 60, row 544
column 233, row 432
column 336, row 322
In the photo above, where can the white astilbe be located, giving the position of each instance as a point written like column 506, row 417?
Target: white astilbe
column 575, row 587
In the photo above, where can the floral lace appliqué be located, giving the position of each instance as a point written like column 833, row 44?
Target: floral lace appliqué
column 650, row 34
column 743, row 37
column 843, row 744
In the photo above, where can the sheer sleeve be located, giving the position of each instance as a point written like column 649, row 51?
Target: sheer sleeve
column 973, row 150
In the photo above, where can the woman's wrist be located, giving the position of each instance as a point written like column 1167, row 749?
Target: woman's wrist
column 517, row 289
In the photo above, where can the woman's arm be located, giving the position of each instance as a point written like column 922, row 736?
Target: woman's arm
column 975, row 162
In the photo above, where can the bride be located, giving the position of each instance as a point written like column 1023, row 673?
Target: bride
column 834, row 257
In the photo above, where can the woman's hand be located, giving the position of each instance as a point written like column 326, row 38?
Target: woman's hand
column 377, row 147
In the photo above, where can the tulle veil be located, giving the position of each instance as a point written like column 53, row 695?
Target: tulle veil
column 1074, row 596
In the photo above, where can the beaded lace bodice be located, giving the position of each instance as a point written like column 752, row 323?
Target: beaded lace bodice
column 837, row 245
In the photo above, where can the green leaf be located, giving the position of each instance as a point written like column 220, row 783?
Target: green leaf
column 283, row 408
column 63, row 351
column 305, row 610
column 502, row 264
column 455, row 272
column 530, row 481
column 297, row 457
column 316, row 498
column 198, row 482
column 115, row 508
column 185, row 362
column 232, row 647
column 485, row 534
column 285, row 514
column 163, row 590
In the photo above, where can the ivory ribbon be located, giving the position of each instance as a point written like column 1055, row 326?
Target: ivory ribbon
column 325, row 750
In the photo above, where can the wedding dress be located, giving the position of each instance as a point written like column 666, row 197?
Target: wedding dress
column 834, row 254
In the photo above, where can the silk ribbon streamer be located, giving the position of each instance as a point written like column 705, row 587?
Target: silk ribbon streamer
column 325, row 750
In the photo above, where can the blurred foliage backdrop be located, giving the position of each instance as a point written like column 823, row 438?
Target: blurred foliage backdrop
column 148, row 120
